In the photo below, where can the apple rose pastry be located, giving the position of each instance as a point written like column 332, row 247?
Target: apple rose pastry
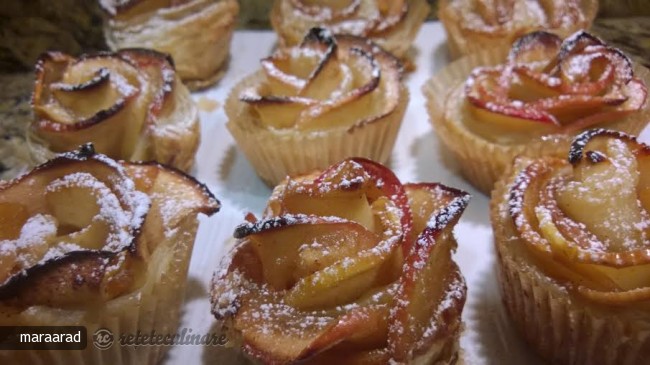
column 130, row 104
column 533, row 103
column 346, row 266
column 392, row 24
column 475, row 25
column 196, row 33
column 87, row 241
column 313, row 105
column 573, row 247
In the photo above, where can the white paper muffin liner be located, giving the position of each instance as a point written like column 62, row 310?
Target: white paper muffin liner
column 276, row 153
column 156, row 306
column 559, row 325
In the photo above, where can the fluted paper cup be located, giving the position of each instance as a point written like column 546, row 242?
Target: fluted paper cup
column 276, row 154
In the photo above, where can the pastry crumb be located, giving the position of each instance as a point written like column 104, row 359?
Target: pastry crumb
column 207, row 105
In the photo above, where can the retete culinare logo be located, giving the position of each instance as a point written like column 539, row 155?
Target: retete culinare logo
column 104, row 338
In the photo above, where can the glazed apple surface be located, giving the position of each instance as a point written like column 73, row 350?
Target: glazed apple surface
column 552, row 86
column 587, row 221
column 130, row 104
column 348, row 264
column 328, row 82
column 80, row 230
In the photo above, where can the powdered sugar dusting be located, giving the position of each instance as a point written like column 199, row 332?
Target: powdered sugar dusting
column 516, row 16
column 449, row 213
column 34, row 235
column 121, row 223
column 113, row 212
column 545, row 81
column 59, row 250
column 591, row 211
column 274, row 312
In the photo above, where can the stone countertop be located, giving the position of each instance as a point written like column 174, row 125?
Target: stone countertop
column 15, row 113
column 631, row 35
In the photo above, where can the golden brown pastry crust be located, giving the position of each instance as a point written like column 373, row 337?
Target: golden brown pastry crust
column 91, row 242
column 328, row 99
column 484, row 130
column 572, row 287
column 346, row 265
column 475, row 25
column 392, row 25
column 196, row 33
column 130, row 104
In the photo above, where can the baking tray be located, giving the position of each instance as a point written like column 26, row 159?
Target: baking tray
column 488, row 337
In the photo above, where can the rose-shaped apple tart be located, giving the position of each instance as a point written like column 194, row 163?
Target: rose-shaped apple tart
column 572, row 238
column 130, row 104
column 197, row 33
column 313, row 105
column 391, row 24
column 349, row 266
column 88, row 241
column 533, row 103
column 475, row 25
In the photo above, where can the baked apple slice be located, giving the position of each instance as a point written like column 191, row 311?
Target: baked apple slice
column 326, row 10
column 577, row 43
column 319, row 288
column 531, row 220
column 293, row 246
column 87, row 227
column 346, row 279
column 614, row 215
column 327, row 82
column 547, row 86
column 487, row 95
column 347, row 190
column 299, row 72
column 277, row 112
column 128, row 104
column 297, row 79
column 423, row 301
column 587, row 223
column 274, row 331
column 539, row 46
column 530, row 85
